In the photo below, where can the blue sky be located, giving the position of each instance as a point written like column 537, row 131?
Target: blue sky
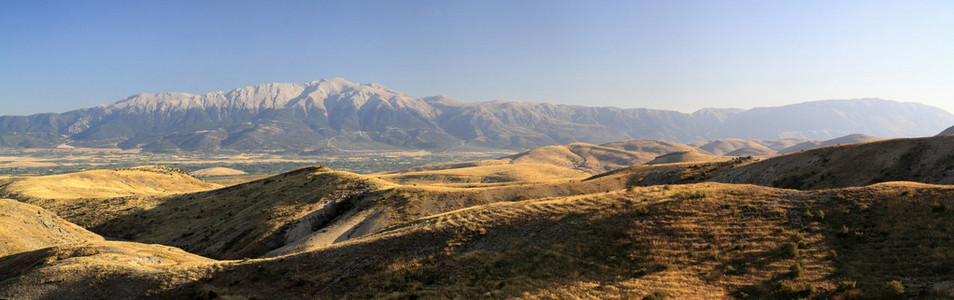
column 682, row 55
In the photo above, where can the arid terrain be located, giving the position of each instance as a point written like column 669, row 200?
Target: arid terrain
column 869, row 220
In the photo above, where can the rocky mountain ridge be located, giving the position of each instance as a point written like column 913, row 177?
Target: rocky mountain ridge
column 330, row 116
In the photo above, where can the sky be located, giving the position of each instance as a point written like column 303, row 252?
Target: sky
column 57, row 56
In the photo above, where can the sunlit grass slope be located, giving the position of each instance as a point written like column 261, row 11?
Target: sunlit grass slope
column 25, row 227
column 685, row 156
column 489, row 175
column 145, row 181
column 593, row 159
column 99, row 270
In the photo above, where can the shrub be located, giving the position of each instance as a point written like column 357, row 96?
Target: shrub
column 938, row 208
column 846, row 285
column 691, row 195
column 795, row 270
column 790, row 250
column 893, row 288
column 839, row 197
column 656, row 295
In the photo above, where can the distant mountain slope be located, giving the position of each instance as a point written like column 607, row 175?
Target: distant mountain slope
column 948, row 131
column 330, row 116
column 822, row 120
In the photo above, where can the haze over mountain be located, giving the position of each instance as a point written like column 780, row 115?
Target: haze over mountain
column 327, row 116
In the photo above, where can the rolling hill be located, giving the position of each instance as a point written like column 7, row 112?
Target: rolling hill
column 685, row 156
column 137, row 181
column 703, row 240
column 927, row 160
column 593, row 159
column 831, row 222
column 848, row 139
column 27, row 227
column 725, row 146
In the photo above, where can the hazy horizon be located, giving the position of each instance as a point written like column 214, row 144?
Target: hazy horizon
column 682, row 56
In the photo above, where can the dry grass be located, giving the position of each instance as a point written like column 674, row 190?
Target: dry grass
column 618, row 235
column 686, row 156
column 929, row 160
column 593, row 159
column 488, row 175
column 25, row 227
column 139, row 181
column 732, row 241
column 99, row 270
column 217, row 171
column 626, row 244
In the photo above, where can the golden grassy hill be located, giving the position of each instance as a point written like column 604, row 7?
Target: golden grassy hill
column 704, row 240
column 650, row 148
column 25, row 227
column 757, row 152
column 299, row 210
column 99, row 270
column 217, row 171
column 593, row 159
column 308, row 209
column 928, row 160
column 685, row 156
column 589, row 158
column 138, row 181
column 487, row 175
column 724, row 146
column 244, row 220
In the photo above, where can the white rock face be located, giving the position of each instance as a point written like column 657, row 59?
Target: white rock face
column 269, row 96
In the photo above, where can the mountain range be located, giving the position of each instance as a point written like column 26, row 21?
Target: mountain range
column 331, row 116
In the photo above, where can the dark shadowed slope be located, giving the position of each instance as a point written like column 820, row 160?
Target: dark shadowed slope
column 848, row 139
column 928, row 160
